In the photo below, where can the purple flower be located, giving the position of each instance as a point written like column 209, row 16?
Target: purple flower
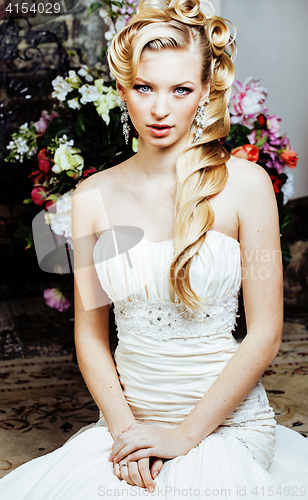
column 252, row 137
column 55, row 298
column 247, row 102
column 129, row 10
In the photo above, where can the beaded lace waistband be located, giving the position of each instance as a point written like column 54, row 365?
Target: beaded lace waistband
column 163, row 320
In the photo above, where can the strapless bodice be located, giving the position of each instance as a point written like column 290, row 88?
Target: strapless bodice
column 215, row 271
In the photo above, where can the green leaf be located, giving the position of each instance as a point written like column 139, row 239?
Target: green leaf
column 22, row 232
column 70, row 173
column 287, row 221
column 103, row 52
column 27, row 201
column 93, row 7
column 286, row 255
column 261, row 142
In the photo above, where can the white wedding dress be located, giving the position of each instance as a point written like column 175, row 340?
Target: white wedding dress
column 167, row 358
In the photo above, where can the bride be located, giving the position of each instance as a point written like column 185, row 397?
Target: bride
column 182, row 409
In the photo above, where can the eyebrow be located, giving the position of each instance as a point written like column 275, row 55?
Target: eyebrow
column 177, row 85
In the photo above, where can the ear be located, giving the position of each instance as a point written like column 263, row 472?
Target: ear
column 205, row 93
column 121, row 91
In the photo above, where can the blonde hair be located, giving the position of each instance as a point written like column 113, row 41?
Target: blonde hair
column 201, row 167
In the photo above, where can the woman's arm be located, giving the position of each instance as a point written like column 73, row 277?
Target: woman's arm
column 92, row 313
column 262, row 283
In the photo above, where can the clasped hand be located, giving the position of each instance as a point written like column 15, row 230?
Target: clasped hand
column 143, row 440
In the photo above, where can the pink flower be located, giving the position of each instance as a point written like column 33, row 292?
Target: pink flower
column 247, row 102
column 55, row 298
column 44, row 120
column 273, row 125
column 38, row 195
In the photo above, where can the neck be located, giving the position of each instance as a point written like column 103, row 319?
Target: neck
column 158, row 164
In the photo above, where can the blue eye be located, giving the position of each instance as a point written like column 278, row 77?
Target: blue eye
column 184, row 90
column 142, row 88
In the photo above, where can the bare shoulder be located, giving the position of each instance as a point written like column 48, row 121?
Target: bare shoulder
column 91, row 199
column 247, row 175
column 87, row 201
column 251, row 184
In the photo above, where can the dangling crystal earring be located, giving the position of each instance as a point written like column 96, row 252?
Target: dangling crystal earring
column 124, row 120
column 200, row 121
column 201, row 124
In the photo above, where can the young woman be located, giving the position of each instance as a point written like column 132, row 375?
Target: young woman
column 170, row 236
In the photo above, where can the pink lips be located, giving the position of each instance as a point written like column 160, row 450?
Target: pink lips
column 160, row 129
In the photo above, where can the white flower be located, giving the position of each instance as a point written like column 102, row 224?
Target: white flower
column 103, row 13
column 83, row 70
column 24, row 126
column 33, row 151
column 63, row 139
column 73, row 77
column 287, row 188
column 66, row 158
column 21, row 145
column 61, row 221
column 11, row 145
column 74, row 103
column 62, row 87
column 109, row 34
column 108, row 99
column 89, row 93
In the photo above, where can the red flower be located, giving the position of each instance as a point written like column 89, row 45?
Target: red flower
column 43, row 161
column 277, row 183
column 248, row 152
column 289, row 158
column 86, row 173
column 38, row 195
column 51, row 206
column 262, row 120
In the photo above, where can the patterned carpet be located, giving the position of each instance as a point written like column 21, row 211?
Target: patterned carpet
column 43, row 400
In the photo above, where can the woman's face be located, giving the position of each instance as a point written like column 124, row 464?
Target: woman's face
column 168, row 89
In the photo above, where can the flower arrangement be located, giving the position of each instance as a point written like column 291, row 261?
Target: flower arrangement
column 83, row 135
column 255, row 136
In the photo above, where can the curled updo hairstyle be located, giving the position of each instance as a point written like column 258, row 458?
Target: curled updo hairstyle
column 201, row 167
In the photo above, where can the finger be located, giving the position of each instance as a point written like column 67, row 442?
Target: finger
column 144, row 469
column 130, row 449
column 125, row 474
column 156, row 467
column 121, row 442
column 117, row 471
column 135, row 475
column 140, row 453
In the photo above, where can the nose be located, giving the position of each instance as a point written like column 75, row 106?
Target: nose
column 160, row 108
